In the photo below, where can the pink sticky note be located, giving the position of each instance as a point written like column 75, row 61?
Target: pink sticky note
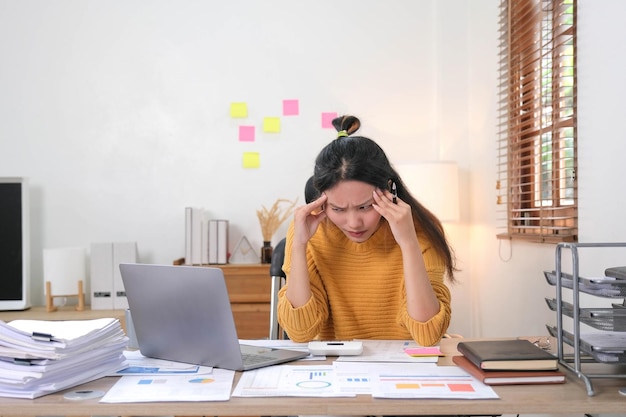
column 246, row 133
column 291, row 107
column 424, row 351
column 327, row 120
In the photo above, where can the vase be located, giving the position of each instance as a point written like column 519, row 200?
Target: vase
column 266, row 252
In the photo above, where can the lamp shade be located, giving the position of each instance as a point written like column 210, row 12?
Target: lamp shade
column 435, row 185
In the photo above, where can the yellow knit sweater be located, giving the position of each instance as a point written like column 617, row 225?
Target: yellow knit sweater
column 358, row 290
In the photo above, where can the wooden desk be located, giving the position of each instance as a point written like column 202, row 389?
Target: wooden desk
column 568, row 398
column 63, row 313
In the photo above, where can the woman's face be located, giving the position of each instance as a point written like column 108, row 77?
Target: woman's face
column 349, row 207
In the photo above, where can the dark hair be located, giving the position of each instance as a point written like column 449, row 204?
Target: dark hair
column 361, row 159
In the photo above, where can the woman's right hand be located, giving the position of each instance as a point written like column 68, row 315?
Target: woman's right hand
column 307, row 218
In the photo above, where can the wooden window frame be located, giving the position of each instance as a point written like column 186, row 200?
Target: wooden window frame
column 537, row 197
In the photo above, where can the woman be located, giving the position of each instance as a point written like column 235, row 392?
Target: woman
column 364, row 260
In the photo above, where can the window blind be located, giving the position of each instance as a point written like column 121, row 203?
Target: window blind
column 536, row 143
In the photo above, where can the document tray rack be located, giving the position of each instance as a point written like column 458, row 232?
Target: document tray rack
column 607, row 343
column 614, row 352
column 608, row 319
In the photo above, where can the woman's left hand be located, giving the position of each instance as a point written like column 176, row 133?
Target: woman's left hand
column 397, row 214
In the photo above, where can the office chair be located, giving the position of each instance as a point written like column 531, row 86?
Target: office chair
column 277, row 276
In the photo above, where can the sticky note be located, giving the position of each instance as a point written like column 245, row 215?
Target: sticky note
column 291, row 107
column 327, row 120
column 238, row 110
column 251, row 160
column 424, row 351
column 246, row 133
column 271, row 124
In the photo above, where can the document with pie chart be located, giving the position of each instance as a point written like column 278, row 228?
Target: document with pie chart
column 214, row 386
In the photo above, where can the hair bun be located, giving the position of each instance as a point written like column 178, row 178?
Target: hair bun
column 346, row 125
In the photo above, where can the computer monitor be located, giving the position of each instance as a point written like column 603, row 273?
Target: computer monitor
column 14, row 244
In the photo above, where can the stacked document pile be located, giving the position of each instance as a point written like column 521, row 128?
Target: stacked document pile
column 38, row 357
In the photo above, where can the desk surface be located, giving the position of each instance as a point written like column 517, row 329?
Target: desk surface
column 568, row 398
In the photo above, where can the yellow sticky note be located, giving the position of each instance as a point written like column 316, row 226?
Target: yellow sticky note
column 271, row 124
column 251, row 160
column 238, row 110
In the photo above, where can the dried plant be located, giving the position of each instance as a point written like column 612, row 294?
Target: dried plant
column 271, row 219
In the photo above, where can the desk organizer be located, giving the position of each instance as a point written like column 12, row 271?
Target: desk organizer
column 605, row 342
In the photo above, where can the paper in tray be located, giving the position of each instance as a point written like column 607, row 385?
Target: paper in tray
column 603, row 346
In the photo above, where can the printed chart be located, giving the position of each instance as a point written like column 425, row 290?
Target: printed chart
column 288, row 380
column 215, row 386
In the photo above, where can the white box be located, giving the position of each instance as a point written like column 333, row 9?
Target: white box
column 123, row 252
column 101, row 276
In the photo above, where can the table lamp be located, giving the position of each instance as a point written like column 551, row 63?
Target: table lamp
column 435, row 184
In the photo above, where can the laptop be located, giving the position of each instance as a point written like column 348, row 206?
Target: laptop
column 183, row 314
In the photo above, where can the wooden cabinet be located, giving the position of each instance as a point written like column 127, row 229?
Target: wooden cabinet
column 249, row 288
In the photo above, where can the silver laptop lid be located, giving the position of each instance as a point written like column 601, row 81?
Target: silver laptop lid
column 183, row 314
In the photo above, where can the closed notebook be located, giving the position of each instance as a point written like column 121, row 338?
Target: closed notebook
column 508, row 377
column 508, row 354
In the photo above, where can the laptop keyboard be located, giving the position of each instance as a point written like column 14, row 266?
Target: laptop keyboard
column 252, row 359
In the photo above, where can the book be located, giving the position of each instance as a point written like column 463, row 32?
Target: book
column 212, row 241
column 508, row 377
column 188, row 231
column 508, row 354
column 222, row 241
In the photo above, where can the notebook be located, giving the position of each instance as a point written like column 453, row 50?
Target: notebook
column 183, row 314
column 508, row 377
column 508, row 354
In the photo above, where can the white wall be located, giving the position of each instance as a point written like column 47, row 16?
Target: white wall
column 118, row 113
column 508, row 286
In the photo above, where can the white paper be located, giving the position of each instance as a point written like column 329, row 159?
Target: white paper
column 426, row 380
column 142, row 365
column 388, row 351
column 215, row 386
column 289, row 381
column 66, row 337
column 73, row 353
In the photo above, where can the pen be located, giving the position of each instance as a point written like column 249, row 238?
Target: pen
column 394, row 191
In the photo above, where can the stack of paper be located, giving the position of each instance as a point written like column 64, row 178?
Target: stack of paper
column 38, row 357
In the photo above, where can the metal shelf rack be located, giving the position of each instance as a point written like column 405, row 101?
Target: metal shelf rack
column 609, row 323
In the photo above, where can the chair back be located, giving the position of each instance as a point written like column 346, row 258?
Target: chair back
column 277, row 275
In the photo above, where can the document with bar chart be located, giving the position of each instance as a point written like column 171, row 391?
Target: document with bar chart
column 289, row 381
column 426, row 381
